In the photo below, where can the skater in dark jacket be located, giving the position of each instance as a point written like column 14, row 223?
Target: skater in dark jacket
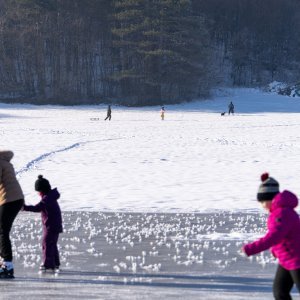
column 230, row 108
column 283, row 236
column 52, row 222
column 11, row 202
column 108, row 116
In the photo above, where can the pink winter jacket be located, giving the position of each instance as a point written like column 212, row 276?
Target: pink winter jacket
column 283, row 236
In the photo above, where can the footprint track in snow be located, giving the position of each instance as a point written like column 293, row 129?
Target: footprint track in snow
column 35, row 162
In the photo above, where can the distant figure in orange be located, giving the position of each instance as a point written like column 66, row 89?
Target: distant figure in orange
column 162, row 113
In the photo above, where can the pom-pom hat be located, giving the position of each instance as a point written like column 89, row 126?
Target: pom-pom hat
column 268, row 188
column 42, row 185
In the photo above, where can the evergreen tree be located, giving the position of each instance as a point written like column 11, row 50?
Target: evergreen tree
column 161, row 50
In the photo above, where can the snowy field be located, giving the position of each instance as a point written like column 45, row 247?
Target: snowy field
column 194, row 161
column 179, row 193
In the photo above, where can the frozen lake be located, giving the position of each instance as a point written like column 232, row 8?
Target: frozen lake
column 194, row 161
column 126, row 255
column 151, row 207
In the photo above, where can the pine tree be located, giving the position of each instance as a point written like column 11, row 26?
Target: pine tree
column 160, row 50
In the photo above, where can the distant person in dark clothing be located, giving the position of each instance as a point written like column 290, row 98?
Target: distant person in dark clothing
column 230, row 108
column 108, row 113
column 52, row 222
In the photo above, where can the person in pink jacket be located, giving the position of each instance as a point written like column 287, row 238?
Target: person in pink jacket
column 282, row 237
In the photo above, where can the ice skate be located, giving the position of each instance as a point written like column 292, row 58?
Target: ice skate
column 5, row 273
column 44, row 270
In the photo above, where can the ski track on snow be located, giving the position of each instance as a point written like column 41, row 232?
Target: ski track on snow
column 34, row 163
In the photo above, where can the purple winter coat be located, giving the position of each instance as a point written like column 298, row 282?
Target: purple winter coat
column 283, row 236
column 51, row 214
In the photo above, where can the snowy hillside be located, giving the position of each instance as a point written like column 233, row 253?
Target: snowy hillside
column 194, row 161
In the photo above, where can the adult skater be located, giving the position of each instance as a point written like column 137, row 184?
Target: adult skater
column 282, row 237
column 230, row 108
column 108, row 113
column 11, row 202
column 52, row 222
column 162, row 113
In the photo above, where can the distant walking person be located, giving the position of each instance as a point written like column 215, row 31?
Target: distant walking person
column 108, row 113
column 282, row 237
column 230, row 108
column 162, row 113
column 11, row 202
column 52, row 222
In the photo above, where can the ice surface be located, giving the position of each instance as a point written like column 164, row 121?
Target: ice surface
column 123, row 255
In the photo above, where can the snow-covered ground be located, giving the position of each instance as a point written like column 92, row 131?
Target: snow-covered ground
column 195, row 162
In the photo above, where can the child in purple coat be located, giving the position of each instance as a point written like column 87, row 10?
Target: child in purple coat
column 52, row 222
column 282, row 237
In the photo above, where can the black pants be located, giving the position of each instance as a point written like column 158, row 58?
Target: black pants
column 108, row 117
column 284, row 281
column 8, row 213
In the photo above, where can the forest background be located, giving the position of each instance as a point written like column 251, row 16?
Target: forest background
column 143, row 52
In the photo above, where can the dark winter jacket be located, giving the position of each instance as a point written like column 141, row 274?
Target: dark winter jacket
column 51, row 214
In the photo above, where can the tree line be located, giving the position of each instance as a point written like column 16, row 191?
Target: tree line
column 143, row 52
